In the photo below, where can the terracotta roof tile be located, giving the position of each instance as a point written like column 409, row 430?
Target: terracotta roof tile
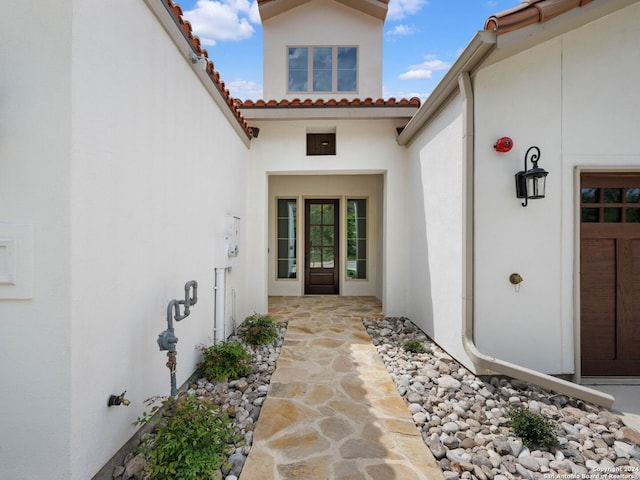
column 175, row 10
column 309, row 103
column 530, row 12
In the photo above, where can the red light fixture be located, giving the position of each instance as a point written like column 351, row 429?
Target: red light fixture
column 504, row 144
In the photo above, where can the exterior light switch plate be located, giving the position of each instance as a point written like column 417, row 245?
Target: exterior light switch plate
column 16, row 261
column 7, row 261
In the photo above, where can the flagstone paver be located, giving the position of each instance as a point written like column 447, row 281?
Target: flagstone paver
column 332, row 411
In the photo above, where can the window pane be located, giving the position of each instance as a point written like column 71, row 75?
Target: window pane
column 590, row 195
column 356, row 239
column 322, row 69
column 298, row 69
column 286, row 241
column 612, row 195
column 590, row 215
column 612, row 215
column 633, row 195
column 633, row 215
column 347, row 69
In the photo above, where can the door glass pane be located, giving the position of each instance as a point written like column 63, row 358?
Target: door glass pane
column 315, row 235
column 315, row 214
column 327, row 235
column 298, row 69
column 286, row 239
column 322, row 69
column 327, row 257
column 633, row 215
column 590, row 195
column 633, row 195
column 612, row 215
column 315, row 257
column 590, row 215
column 612, row 195
column 327, row 217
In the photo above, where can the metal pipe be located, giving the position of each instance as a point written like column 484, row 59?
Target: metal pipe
column 220, row 307
column 167, row 339
column 479, row 359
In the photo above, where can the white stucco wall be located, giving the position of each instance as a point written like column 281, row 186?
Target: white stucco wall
column 35, row 151
column 435, row 196
column 322, row 23
column 363, row 147
column 156, row 167
column 126, row 169
column 574, row 97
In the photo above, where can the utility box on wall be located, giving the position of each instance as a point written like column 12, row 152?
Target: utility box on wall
column 231, row 236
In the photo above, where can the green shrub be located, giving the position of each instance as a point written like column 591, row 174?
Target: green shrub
column 190, row 441
column 258, row 329
column 413, row 346
column 224, row 361
column 532, row 428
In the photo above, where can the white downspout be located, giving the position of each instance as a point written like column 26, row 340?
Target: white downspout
column 479, row 359
column 220, row 288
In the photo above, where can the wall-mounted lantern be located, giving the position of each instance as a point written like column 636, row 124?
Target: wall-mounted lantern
column 530, row 184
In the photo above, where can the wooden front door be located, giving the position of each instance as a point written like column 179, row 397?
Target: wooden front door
column 610, row 275
column 321, row 247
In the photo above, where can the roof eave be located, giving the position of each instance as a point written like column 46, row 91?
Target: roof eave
column 480, row 46
column 271, row 8
column 329, row 112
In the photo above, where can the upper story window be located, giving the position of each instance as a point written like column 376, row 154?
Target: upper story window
column 323, row 69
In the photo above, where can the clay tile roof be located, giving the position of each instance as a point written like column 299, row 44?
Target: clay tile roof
column 530, row 12
column 175, row 10
column 309, row 103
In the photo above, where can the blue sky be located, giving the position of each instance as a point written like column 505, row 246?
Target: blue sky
column 422, row 38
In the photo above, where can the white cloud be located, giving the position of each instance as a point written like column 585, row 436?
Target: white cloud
column 244, row 89
column 402, row 30
column 214, row 20
column 398, row 94
column 425, row 70
column 399, row 9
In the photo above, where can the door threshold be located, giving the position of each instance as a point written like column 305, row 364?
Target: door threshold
column 610, row 380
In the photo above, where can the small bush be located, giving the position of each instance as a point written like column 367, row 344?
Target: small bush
column 413, row 346
column 258, row 329
column 224, row 361
column 532, row 428
column 189, row 442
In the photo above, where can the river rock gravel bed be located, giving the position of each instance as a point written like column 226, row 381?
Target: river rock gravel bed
column 463, row 418
column 240, row 399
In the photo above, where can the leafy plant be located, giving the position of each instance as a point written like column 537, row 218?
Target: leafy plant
column 413, row 346
column 533, row 428
column 224, row 360
column 258, row 329
column 189, row 442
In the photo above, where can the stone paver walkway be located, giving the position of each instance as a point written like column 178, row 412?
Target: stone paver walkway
column 332, row 411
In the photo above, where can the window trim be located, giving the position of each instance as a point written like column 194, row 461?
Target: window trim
column 334, row 69
column 366, row 238
column 296, row 218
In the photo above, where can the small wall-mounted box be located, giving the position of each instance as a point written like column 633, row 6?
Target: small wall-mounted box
column 16, row 261
column 231, row 235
